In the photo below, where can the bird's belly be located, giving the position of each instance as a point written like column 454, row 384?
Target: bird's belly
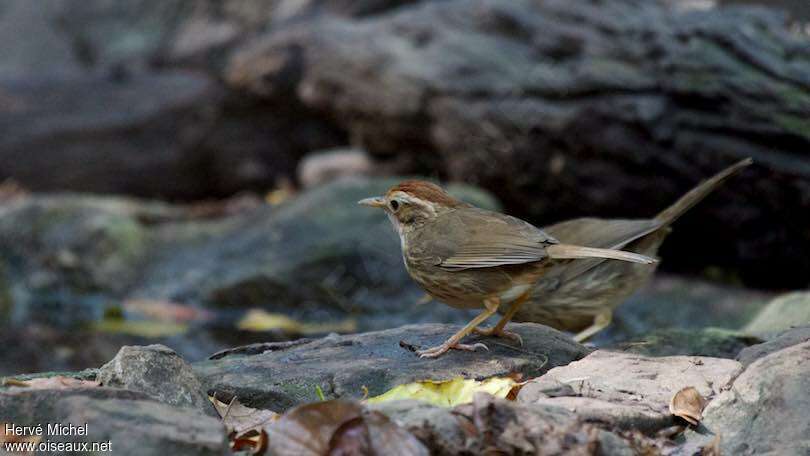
column 467, row 289
column 513, row 293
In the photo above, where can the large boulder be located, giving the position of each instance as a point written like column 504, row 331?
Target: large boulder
column 279, row 376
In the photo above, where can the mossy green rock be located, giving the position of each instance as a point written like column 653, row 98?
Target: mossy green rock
column 713, row 342
column 781, row 314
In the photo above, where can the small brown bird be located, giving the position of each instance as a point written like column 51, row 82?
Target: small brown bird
column 471, row 258
column 581, row 296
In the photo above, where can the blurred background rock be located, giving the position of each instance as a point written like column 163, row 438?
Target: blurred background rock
column 174, row 167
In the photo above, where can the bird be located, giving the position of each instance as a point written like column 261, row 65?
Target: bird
column 581, row 297
column 469, row 257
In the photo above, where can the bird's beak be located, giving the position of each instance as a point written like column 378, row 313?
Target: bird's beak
column 377, row 201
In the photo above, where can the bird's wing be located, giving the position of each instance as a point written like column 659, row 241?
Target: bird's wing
column 484, row 239
column 601, row 233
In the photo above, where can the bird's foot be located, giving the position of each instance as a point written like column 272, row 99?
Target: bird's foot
column 495, row 332
column 435, row 352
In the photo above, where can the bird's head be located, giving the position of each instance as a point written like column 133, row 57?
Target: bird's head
column 413, row 202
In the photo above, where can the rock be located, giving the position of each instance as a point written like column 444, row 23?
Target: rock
column 136, row 150
column 320, row 168
column 132, row 423
column 560, row 109
column 342, row 366
column 626, row 390
column 789, row 338
column 506, row 427
column 711, row 342
column 781, row 314
column 764, row 411
column 691, row 305
column 169, row 134
column 320, row 257
column 159, row 372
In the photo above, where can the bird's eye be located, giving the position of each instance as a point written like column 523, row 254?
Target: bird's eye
column 394, row 205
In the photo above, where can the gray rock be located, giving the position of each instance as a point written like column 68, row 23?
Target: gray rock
column 764, row 411
column 160, row 373
column 711, row 342
column 626, row 390
column 322, row 167
column 132, row 423
column 690, row 303
column 506, row 427
column 789, row 338
column 782, row 313
column 342, row 366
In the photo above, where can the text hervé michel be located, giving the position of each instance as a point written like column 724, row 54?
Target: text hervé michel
column 49, row 429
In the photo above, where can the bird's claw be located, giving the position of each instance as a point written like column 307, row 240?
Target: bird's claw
column 435, row 352
column 513, row 336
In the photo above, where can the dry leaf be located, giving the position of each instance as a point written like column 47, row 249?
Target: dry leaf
column 260, row 320
column 142, row 328
column 166, row 311
column 712, row 448
column 57, row 382
column 688, row 404
column 339, row 428
column 448, row 393
column 23, row 440
column 11, row 191
column 253, row 441
column 239, row 418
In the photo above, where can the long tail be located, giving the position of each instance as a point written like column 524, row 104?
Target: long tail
column 574, row 252
column 695, row 195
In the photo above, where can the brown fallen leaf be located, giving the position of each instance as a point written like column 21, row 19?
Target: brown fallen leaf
column 22, row 440
column 166, row 311
column 712, row 448
column 239, row 418
column 253, row 441
column 688, row 404
column 57, row 382
column 339, row 428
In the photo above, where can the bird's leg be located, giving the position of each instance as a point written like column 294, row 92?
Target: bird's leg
column 600, row 322
column 498, row 330
column 490, row 307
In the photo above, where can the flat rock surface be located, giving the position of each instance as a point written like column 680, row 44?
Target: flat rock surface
column 628, row 390
column 342, row 365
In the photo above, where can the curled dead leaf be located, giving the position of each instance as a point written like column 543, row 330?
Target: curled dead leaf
column 239, row 418
column 688, row 404
column 339, row 427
